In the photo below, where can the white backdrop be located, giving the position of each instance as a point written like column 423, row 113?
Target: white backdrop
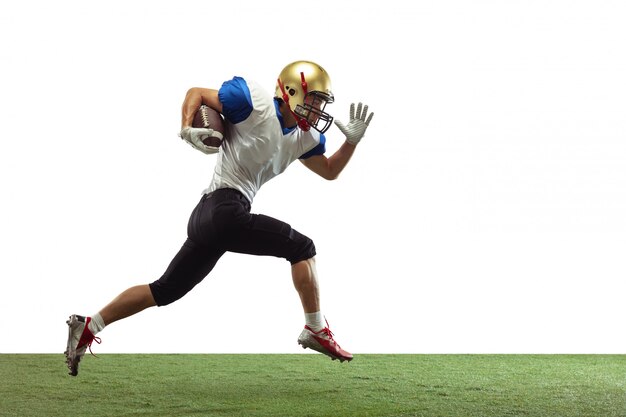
column 483, row 211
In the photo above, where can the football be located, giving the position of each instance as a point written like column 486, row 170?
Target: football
column 212, row 119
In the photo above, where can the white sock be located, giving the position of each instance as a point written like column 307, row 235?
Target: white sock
column 315, row 321
column 96, row 324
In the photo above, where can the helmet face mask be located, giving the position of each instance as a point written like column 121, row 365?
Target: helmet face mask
column 312, row 110
column 305, row 87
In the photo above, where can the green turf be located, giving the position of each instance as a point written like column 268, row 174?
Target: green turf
column 312, row 385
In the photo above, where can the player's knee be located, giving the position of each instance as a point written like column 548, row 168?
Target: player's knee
column 165, row 293
column 303, row 249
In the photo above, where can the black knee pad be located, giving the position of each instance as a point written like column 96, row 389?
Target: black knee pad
column 165, row 294
column 303, row 248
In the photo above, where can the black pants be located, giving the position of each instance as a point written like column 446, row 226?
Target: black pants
column 222, row 222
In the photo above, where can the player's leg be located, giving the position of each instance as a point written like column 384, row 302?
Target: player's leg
column 316, row 335
column 129, row 302
column 190, row 265
column 305, row 281
column 258, row 234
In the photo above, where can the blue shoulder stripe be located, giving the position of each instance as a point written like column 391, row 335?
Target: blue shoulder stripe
column 236, row 100
column 320, row 149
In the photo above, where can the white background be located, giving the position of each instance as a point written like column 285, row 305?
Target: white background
column 483, row 212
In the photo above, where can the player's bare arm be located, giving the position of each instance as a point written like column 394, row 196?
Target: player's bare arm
column 195, row 97
column 197, row 136
column 330, row 168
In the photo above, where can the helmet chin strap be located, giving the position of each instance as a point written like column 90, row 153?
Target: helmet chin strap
column 302, row 123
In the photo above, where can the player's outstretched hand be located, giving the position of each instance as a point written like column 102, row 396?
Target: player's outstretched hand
column 356, row 127
column 195, row 136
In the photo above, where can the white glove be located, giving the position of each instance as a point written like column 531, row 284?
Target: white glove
column 355, row 129
column 195, row 135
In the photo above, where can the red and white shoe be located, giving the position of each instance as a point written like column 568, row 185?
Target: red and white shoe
column 79, row 339
column 323, row 342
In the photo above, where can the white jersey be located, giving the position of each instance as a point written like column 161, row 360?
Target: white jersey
column 257, row 146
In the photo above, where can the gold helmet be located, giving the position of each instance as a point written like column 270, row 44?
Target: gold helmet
column 305, row 87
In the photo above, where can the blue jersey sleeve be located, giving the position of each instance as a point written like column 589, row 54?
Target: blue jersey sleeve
column 236, row 100
column 320, row 149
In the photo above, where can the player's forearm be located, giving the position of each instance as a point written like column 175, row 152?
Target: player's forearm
column 192, row 102
column 194, row 98
column 338, row 161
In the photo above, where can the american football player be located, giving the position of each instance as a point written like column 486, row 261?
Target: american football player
column 265, row 133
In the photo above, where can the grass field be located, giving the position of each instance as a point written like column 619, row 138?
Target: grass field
column 312, row 385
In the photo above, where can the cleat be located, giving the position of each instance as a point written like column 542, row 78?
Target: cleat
column 79, row 339
column 323, row 342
